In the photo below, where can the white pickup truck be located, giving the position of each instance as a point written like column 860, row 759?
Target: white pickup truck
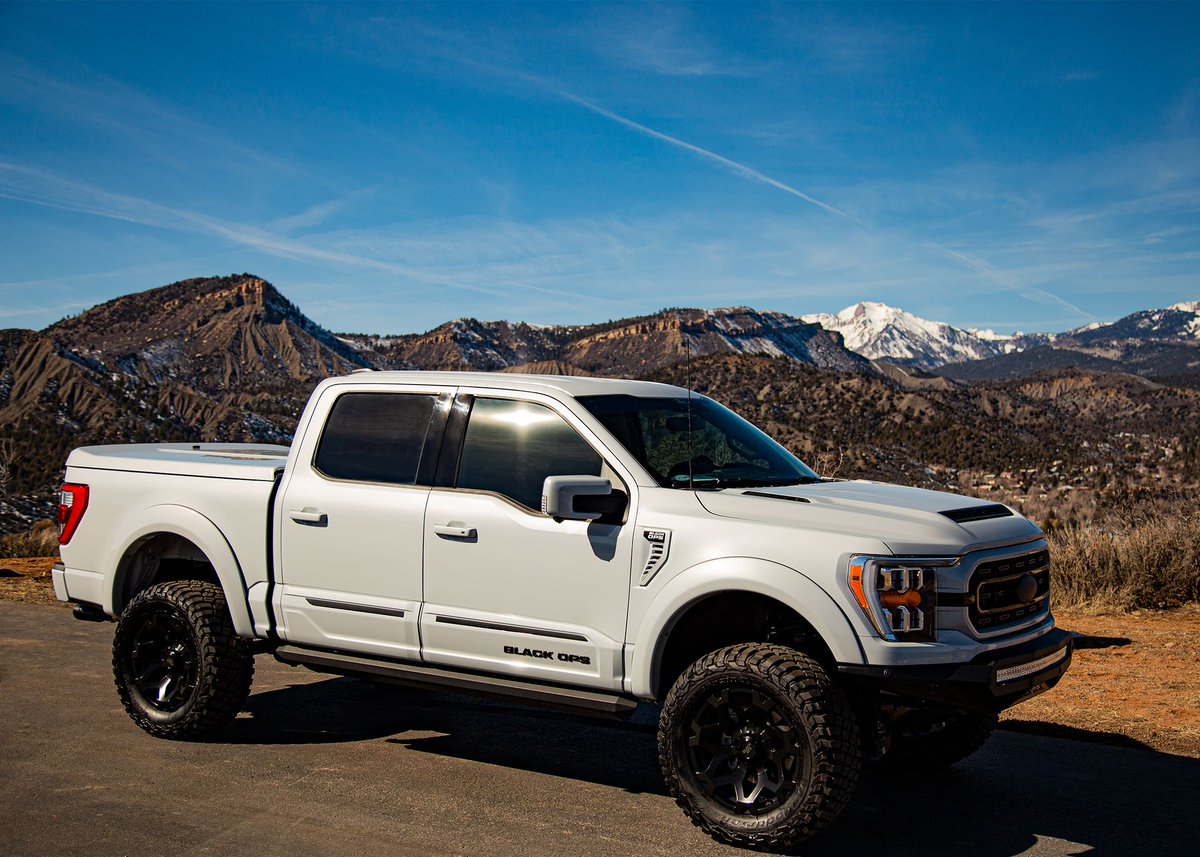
column 578, row 543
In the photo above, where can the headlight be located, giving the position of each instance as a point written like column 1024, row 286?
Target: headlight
column 897, row 594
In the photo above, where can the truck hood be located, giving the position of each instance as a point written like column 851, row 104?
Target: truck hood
column 910, row 521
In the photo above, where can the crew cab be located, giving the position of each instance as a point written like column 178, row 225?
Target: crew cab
column 579, row 543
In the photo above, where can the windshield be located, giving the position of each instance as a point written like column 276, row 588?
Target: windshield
column 721, row 450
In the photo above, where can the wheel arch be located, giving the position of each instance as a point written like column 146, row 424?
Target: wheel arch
column 670, row 628
column 181, row 535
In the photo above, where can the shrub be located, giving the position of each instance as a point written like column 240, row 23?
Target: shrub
column 41, row 540
column 1147, row 560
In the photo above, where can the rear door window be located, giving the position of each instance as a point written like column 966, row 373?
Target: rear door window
column 375, row 437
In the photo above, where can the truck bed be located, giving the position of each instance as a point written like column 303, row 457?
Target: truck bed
column 257, row 462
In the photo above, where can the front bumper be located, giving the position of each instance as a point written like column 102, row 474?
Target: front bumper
column 992, row 682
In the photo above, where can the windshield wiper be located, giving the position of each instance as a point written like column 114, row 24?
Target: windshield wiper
column 706, row 481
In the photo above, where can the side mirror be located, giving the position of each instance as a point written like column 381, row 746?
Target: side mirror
column 580, row 498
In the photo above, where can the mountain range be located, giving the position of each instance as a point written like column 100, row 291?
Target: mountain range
column 1154, row 343
column 230, row 358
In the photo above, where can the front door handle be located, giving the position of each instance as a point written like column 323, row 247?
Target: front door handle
column 455, row 530
column 308, row 515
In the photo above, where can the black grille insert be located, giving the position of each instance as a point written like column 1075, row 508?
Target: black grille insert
column 1009, row 590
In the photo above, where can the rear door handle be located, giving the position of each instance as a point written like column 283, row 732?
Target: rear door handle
column 454, row 530
column 308, row 515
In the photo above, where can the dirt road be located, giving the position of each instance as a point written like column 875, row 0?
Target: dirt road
column 320, row 766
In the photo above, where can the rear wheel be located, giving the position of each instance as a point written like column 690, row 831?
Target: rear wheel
column 929, row 741
column 758, row 747
column 180, row 668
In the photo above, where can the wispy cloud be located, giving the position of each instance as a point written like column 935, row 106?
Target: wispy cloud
column 39, row 187
column 661, row 39
column 1008, row 282
column 317, row 213
column 996, row 279
column 844, row 40
column 24, row 312
column 104, row 102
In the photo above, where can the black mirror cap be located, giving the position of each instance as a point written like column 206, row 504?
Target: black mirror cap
column 611, row 506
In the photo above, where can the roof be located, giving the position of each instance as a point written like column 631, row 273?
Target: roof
column 571, row 385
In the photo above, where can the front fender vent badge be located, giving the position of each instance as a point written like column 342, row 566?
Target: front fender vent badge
column 658, row 545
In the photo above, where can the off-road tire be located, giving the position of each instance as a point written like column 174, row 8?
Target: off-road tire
column 933, row 744
column 179, row 635
column 790, row 692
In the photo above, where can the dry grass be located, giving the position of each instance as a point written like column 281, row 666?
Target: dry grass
column 28, row 579
column 41, row 540
column 1133, row 682
column 1144, row 561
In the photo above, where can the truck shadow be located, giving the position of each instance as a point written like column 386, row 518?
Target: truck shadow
column 1021, row 793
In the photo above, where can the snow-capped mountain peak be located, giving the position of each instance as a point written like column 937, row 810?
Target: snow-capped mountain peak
column 1180, row 322
column 878, row 331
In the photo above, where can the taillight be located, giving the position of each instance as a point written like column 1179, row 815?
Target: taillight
column 72, row 503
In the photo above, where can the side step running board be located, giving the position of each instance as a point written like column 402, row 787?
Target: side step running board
column 597, row 703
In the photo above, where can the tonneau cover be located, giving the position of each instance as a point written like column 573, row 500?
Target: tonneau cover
column 252, row 461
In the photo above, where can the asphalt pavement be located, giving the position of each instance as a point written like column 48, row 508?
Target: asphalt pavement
column 330, row 766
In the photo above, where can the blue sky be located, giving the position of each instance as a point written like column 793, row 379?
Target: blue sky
column 393, row 167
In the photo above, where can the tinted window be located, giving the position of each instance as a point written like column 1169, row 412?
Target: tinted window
column 511, row 447
column 375, row 437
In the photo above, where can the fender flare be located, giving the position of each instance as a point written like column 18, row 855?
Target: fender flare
column 737, row 574
column 189, row 524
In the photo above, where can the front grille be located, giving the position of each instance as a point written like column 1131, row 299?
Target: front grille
column 1000, row 593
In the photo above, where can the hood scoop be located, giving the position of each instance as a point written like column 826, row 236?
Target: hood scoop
column 977, row 513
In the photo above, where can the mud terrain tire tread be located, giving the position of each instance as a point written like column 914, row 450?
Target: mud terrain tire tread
column 821, row 709
column 224, row 661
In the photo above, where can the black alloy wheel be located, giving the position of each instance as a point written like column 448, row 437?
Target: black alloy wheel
column 745, row 750
column 162, row 661
column 758, row 746
column 181, row 669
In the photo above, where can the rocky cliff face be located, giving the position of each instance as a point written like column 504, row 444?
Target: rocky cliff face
column 225, row 358
column 219, row 335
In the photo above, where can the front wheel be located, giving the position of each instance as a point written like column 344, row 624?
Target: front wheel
column 180, row 668
column 758, row 746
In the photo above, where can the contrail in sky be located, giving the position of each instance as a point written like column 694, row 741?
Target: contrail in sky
column 734, row 166
column 972, row 262
column 1006, row 282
